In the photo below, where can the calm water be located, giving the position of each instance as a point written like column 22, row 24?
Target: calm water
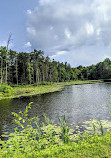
column 77, row 102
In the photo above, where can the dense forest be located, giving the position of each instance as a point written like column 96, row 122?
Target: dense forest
column 27, row 68
column 101, row 70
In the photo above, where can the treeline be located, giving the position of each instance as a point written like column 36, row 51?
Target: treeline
column 34, row 67
column 101, row 70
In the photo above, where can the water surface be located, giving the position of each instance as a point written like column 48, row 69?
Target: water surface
column 78, row 102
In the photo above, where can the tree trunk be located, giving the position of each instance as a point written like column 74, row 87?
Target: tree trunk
column 16, row 70
column 8, row 42
column 1, row 71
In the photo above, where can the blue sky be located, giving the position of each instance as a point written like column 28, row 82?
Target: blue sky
column 13, row 19
column 76, row 31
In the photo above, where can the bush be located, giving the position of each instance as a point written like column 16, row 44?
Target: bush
column 6, row 90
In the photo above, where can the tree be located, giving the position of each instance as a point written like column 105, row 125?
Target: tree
column 2, row 49
column 16, row 68
column 8, row 42
column 47, row 70
column 3, row 56
column 36, row 55
column 29, row 69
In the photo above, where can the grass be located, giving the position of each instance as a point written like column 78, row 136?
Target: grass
column 30, row 90
column 89, row 147
column 80, row 82
column 51, row 141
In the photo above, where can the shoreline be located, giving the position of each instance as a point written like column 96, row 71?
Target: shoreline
column 30, row 90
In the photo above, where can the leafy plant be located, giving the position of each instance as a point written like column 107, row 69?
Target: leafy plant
column 22, row 118
column 6, row 90
column 98, row 127
column 27, row 138
column 64, row 129
column 49, row 140
column 101, row 127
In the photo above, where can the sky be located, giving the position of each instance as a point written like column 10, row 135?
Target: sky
column 76, row 31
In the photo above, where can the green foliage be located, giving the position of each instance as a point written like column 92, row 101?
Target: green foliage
column 30, row 139
column 97, row 127
column 33, row 68
column 64, row 129
column 22, row 118
column 6, row 90
column 101, row 70
column 101, row 127
column 42, row 83
column 30, row 71
column 49, row 140
column 40, row 88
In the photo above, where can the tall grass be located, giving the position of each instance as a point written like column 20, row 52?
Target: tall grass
column 64, row 129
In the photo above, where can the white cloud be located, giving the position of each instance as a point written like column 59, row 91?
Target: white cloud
column 29, row 12
column 27, row 45
column 57, row 25
column 61, row 52
column 89, row 29
column 67, row 33
column 44, row 2
column 31, row 31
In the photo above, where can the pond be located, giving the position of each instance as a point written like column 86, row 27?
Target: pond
column 78, row 102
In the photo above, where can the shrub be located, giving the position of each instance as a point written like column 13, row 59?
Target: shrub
column 6, row 89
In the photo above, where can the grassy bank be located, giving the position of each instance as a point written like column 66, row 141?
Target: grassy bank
column 30, row 90
column 79, row 82
column 51, row 141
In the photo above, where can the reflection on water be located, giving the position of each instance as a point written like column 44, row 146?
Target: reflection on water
column 77, row 102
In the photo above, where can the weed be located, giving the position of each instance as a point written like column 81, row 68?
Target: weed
column 64, row 129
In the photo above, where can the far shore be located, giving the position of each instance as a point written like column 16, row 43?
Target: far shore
column 31, row 90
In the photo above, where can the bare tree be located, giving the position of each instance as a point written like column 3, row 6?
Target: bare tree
column 8, row 42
